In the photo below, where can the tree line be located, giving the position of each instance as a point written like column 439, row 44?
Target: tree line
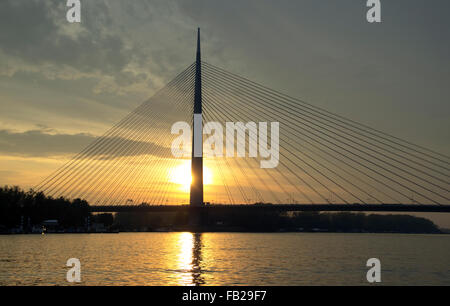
column 32, row 208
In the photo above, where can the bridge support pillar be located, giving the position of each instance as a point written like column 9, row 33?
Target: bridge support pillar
column 196, row 194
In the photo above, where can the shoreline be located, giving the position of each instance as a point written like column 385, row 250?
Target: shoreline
column 229, row 231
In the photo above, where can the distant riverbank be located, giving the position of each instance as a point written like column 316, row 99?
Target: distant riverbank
column 31, row 212
column 221, row 230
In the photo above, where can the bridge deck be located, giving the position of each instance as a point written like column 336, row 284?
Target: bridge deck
column 278, row 207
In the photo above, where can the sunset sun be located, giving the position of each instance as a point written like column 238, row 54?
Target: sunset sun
column 181, row 175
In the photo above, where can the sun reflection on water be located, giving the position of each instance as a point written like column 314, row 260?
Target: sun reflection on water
column 189, row 259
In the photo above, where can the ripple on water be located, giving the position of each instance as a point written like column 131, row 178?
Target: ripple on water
column 224, row 259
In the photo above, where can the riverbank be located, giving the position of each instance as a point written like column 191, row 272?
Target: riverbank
column 224, row 230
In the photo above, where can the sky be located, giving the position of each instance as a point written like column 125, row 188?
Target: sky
column 62, row 84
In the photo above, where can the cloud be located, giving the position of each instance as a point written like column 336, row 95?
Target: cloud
column 39, row 143
column 38, row 38
column 44, row 143
column 35, row 36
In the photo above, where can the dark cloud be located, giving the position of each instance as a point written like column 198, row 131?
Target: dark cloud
column 30, row 31
column 40, row 143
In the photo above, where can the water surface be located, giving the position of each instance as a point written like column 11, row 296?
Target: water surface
column 224, row 258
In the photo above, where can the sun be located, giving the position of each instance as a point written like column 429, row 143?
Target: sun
column 181, row 175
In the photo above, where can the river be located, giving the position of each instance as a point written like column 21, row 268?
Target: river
column 225, row 258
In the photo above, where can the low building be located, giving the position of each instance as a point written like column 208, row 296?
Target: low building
column 50, row 225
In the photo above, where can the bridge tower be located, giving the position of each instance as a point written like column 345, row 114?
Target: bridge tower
column 196, row 195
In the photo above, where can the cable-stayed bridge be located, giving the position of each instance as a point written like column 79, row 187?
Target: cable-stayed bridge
column 326, row 161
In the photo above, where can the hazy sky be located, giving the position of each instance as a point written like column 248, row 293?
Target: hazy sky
column 63, row 84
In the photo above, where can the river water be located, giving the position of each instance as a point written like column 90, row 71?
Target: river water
column 225, row 258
